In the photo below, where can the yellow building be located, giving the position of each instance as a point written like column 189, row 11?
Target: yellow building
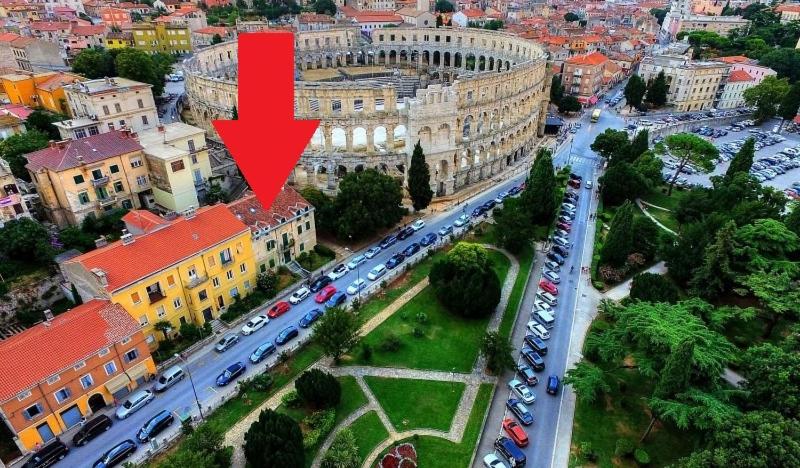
column 119, row 40
column 185, row 270
column 67, row 368
column 44, row 90
column 160, row 37
column 89, row 176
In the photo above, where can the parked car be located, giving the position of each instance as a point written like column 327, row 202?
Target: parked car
column 547, row 298
column 254, row 324
column 262, row 352
column 428, row 239
column 336, row 300
column 356, row 286
column 412, row 248
column 561, row 241
column 564, row 226
column 533, row 358
column 90, row 429
column 310, row 317
column 445, row 230
column 372, row 251
column 134, row 402
column 520, row 411
column 405, row 233
column 552, row 384
column 299, row 295
column 395, row 260
column 549, row 287
column 479, row 211
column 491, row 461
column 418, row 224
column 536, row 344
column 563, row 251
column 286, row 335
column 538, row 330
column 461, row 221
column 527, row 375
column 226, row 342
column 539, row 304
column 231, row 373
column 116, row 454
column 356, row 261
column 320, row 283
column 155, row 426
column 515, row 432
column 281, row 307
column 552, row 266
column 376, row 272
column 338, row 271
column 552, row 276
column 168, row 378
column 387, row 242
column 588, row 184
column 508, row 449
column 522, row 391
column 326, row 293
column 49, row 454
column 554, row 257
column 565, row 219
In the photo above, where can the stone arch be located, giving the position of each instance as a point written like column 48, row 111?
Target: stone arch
column 457, row 60
column 437, row 58
column 426, row 57
column 399, row 135
column 467, row 129
column 447, row 60
column 318, row 139
column 382, row 56
column 341, row 171
column 425, row 135
column 338, row 138
column 443, row 134
column 392, row 56
column 359, row 141
column 482, row 63
column 379, row 138
column 470, row 62
column 491, row 63
column 358, row 168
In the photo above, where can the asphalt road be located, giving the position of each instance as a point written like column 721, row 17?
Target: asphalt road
column 206, row 364
column 542, row 434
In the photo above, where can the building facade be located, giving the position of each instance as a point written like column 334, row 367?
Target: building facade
column 161, row 37
column 693, row 85
column 582, row 76
column 68, row 367
column 44, row 90
column 731, row 93
column 12, row 206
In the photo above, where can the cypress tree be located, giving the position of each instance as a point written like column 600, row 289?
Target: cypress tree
column 742, row 161
column 234, row 113
column 419, row 180
column 657, row 91
column 639, row 144
column 619, row 241
column 539, row 197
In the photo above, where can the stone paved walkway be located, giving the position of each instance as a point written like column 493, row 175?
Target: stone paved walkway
column 235, row 435
column 641, row 204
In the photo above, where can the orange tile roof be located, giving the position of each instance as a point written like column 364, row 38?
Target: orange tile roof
column 594, row 58
column 739, row 76
column 49, row 348
column 734, row 59
column 473, row 13
column 213, row 30
column 58, row 80
column 50, row 25
column 288, row 204
column 791, row 8
column 72, row 153
column 378, row 17
column 143, row 221
column 93, row 30
column 152, row 252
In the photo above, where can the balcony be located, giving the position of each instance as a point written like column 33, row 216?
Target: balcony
column 287, row 245
column 226, row 261
column 195, row 281
column 107, row 200
column 100, row 182
column 196, row 150
column 155, row 296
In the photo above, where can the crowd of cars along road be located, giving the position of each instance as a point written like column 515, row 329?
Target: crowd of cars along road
column 508, row 446
column 323, row 292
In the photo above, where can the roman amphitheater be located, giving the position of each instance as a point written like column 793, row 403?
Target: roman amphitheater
column 476, row 101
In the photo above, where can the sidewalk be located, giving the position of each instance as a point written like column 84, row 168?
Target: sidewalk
column 621, row 291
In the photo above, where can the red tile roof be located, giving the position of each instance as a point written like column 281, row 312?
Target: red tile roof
column 50, row 25
column 88, row 30
column 739, row 76
column 734, row 59
column 213, row 30
column 72, row 153
column 286, row 206
column 143, row 221
column 594, row 58
column 17, row 110
column 791, row 8
column 152, row 252
column 49, row 348
column 378, row 17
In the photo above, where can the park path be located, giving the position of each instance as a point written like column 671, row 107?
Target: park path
column 641, row 204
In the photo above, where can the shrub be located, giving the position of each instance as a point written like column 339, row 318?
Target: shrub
column 391, row 343
column 274, row 439
column 321, row 424
column 268, row 283
column 641, row 456
column 324, row 251
column 418, row 333
column 588, row 452
column 624, row 447
column 291, row 399
column 464, row 281
column 366, row 352
column 422, row 317
column 259, row 383
column 318, row 389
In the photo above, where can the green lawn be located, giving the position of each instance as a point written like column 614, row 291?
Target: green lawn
column 659, row 197
column 434, row 452
column 448, row 342
column 525, row 259
column 369, row 431
column 411, row 403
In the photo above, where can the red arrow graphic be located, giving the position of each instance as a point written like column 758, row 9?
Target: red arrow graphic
column 266, row 142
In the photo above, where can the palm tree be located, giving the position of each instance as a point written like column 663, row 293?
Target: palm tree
column 164, row 327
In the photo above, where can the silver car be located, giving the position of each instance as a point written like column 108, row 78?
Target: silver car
column 134, row 403
column 552, row 276
column 226, row 342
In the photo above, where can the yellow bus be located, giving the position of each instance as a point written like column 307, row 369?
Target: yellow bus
column 596, row 115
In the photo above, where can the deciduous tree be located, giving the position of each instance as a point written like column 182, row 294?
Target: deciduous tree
column 94, row 63
column 325, row 7
column 790, row 103
column 336, row 331
column 465, row 282
column 444, row 6
column 689, row 148
column 25, row 240
column 498, row 352
column 610, row 143
column 622, row 182
column 568, row 104
column 43, row 121
column 766, row 96
column 274, row 441
column 419, row 180
column 367, row 201
column 14, row 148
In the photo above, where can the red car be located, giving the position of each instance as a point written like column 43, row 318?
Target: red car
column 325, row 293
column 574, row 183
column 279, row 309
column 515, row 432
column 549, row 287
column 565, row 226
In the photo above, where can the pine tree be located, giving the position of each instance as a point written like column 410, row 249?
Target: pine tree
column 556, row 90
column 539, row 197
column 234, row 113
column 639, row 144
column 742, row 161
column 657, row 91
column 675, row 375
column 792, row 221
column 419, row 180
column 716, row 274
column 634, row 91
column 619, row 241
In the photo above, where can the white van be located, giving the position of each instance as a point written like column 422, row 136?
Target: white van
column 377, row 272
column 538, row 330
column 547, row 298
column 169, row 378
column 545, row 318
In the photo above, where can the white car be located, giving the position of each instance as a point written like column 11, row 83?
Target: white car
column 537, row 329
column 561, row 241
column 588, row 184
column 338, row 271
column 552, row 266
column 462, row 220
column 356, row 261
column 254, row 324
column 541, row 305
column 418, row 224
column 298, row 296
column 491, row 461
column 552, row 276
column 356, row 286
column 373, row 251
column 522, row 391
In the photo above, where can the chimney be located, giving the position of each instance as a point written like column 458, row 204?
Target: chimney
column 48, row 315
column 101, row 276
column 100, row 242
column 190, row 212
column 108, row 80
column 126, row 237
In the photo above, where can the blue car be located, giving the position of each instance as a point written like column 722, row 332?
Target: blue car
column 478, row 211
column 261, row 352
column 286, row 335
column 396, row 260
column 445, row 230
column 387, row 242
column 411, row 249
column 552, row 385
column 428, row 239
column 336, row 300
column 231, row 373
column 311, row 317
column 520, row 411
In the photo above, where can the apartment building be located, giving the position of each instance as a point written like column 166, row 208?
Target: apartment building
column 582, row 76
column 12, row 206
column 731, row 93
column 161, row 37
column 280, row 233
column 788, row 12
column 693, row 85
column 119, row 40
column 114, row 17
column 32, row 54
column 103, row 105
column 44, row 90
column 90, row 176
column 68, row 367
column 184, row 270
column 179, row 167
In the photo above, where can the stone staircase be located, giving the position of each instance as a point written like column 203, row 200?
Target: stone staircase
column 295, row 268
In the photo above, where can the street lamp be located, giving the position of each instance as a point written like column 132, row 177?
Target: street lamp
column 191, row 381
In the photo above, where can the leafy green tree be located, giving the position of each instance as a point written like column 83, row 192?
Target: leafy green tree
column 571, row 17
column 75, row 238
column 14, row 148
column 318, row 389
column 539, row 196
column 610, row 143
column 645, row 237
column 216, row 39
column 267, row 283
column 621, row 182
column 343, row 452
column 790, row 103
column 325, row 216
column 652, row 287
column 619, row 241
column 326, row 7
column 766, row 97
column 634, row 91
column 772, row 381
column 556, row 90
column 203, row 447
column 336, row 332
column 216, row 194
column 638, row 145
column 588, row 381
column 439, row 21
column 25, row 240
column 274, row 441
column 778, row 293
column 444, row 6
column 689, row 148
column 792, row 221
column 367, row 201
column 785, row 61
column 94, row 63
column 765, row 243
column 419, row 180
column 742, row 160
column 716, row 275
column 659, row 13
column 43, row 121
column 649, row 167
column 657, row 90
column 136, row 65
column 569, row 103
column 514, row 229
column 498, row 352
column 465, row 282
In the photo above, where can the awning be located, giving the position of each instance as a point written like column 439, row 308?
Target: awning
column 118, row 382
column 137, row 371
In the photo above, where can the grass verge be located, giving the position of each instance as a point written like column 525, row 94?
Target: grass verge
column 369, row 431
column 417, row 404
